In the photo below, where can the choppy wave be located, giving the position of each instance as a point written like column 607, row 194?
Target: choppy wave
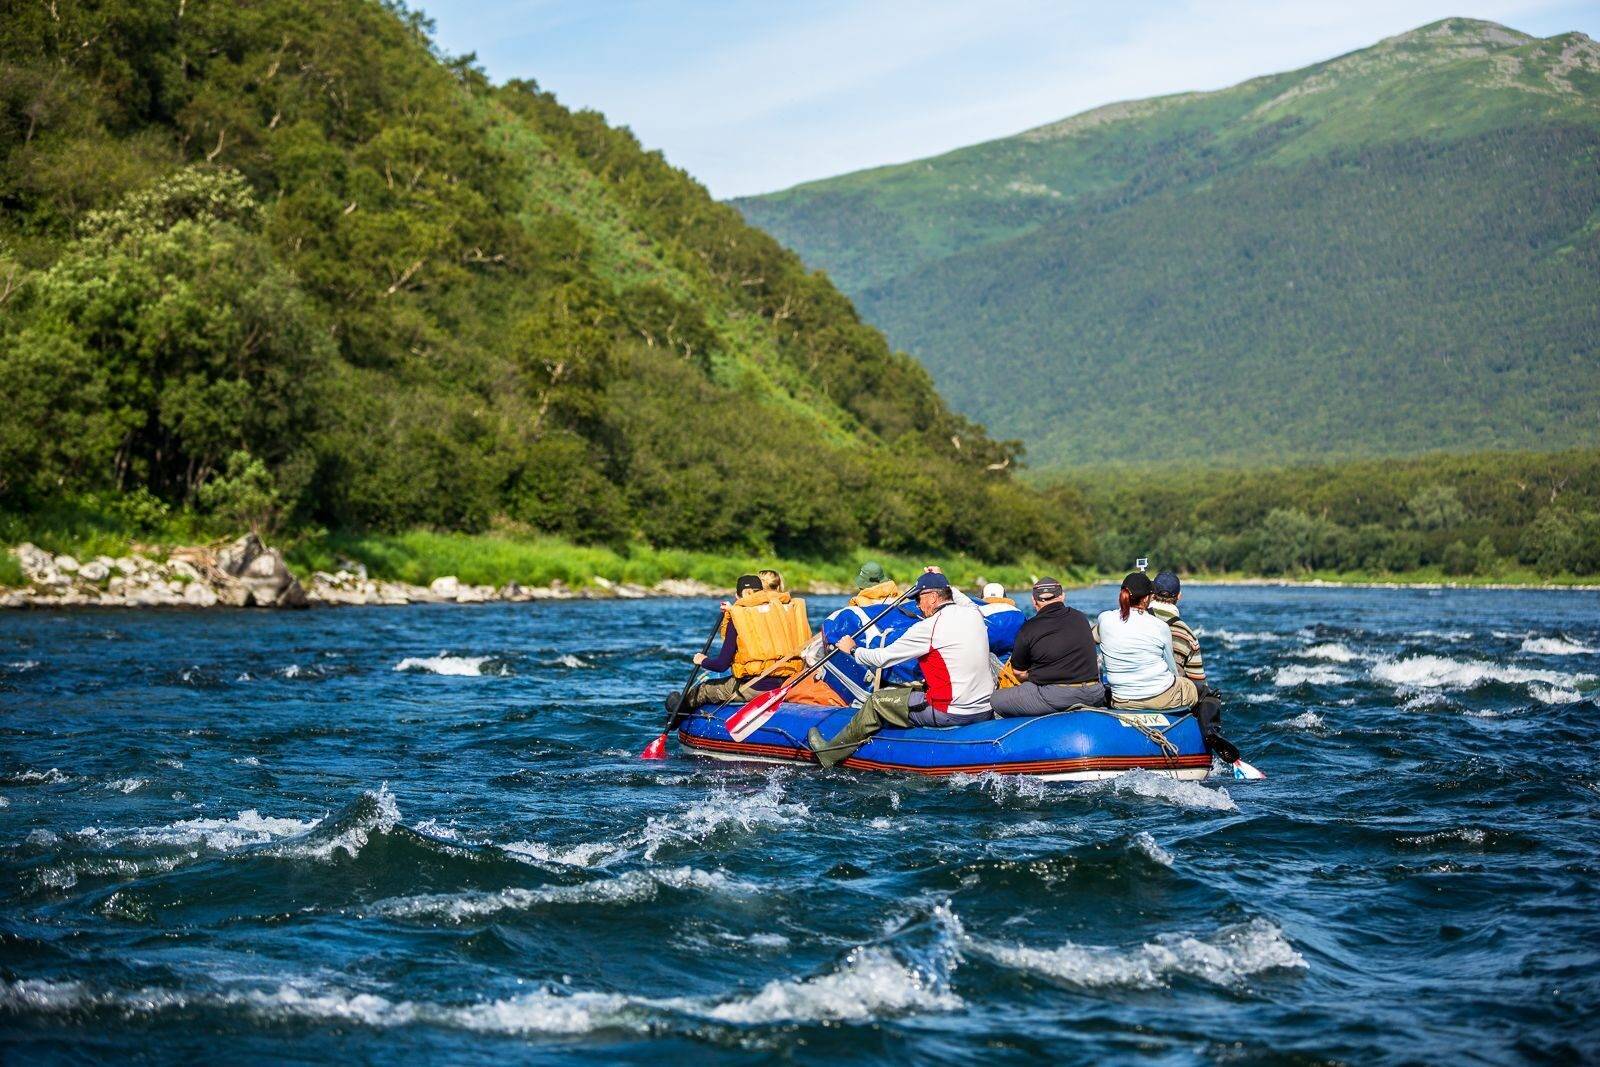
column 1147, row 844
column 870, row 984
column 540, row 1012
column 1234, row 637
column 1004, row 788
column 1302, row 674
column 374, row 813
column 451, row 666
column 247, row 828
column 127, row 785
column 631, row 887
column 1461, row 835
column 1225, row 958
column 721, row 811
column 1306, row 720
column 28, row 776
column 583, row 854
column 1154, row 786
column 1442, row 672
column 1554, row 694
column 1332, row 651
column 1557, row 646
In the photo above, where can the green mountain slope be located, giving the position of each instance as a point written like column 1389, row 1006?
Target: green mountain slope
column 281, row 258
column 1392, row 252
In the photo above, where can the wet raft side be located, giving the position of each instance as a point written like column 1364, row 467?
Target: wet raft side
column 1081, row 745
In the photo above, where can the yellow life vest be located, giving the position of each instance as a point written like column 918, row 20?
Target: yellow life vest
column 772, row 629
column 875, row 594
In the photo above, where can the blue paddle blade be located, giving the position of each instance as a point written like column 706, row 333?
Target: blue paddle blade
column 1244, row 772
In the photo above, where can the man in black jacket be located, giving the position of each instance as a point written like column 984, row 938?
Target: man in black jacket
column 1055, row 658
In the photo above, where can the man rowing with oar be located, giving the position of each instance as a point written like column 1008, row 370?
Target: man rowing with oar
column 950, row 644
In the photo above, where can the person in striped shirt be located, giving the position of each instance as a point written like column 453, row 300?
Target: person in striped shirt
column 1185, row 645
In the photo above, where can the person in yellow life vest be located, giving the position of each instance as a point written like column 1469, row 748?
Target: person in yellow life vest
column 762, row 638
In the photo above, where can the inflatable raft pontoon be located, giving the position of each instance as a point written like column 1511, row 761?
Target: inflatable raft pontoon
column 1085, row 745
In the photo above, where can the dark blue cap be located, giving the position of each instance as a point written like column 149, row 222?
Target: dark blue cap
column 931, row 581
column 1167, row 583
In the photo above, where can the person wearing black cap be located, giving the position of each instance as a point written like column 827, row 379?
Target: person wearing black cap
column 1055, row 657
column 1185, row 646
column 1136, row 651
column 746, row 664
column 950, row 644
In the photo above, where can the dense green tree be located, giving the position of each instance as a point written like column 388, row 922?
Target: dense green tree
column 291, row 231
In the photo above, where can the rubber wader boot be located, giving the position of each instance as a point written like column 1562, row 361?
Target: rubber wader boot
column 841, row 747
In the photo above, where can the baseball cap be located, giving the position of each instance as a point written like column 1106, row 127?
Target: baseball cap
column 1047, row 589
column 1138, row 585
column 1167, row 584
column 929, row 581
column 747, row 581
column 993, row 589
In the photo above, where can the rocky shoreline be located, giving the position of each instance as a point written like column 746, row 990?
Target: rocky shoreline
column 247, row 573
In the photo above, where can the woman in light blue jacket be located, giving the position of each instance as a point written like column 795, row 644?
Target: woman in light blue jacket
column 1136, row 652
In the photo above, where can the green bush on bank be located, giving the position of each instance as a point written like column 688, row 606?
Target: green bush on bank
column 419, row 557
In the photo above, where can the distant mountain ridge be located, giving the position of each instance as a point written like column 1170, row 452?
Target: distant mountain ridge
column 1391, row 252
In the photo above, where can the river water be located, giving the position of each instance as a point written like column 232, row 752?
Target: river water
column 362, row 834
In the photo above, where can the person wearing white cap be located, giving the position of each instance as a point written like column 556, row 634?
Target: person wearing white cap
column 1003, row 619
column 1055, row 658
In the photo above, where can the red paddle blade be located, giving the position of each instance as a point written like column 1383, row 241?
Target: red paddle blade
column 754, row 715
column 656, row 749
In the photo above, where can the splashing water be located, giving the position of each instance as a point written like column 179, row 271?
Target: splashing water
column 419, row 850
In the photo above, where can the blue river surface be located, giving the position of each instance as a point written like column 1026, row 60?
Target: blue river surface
column 367, row 834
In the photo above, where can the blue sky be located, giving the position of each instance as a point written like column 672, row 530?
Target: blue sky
column 755, row 96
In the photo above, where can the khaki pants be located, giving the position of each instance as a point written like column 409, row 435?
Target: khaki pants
column 719, row 691
column 1183, row 694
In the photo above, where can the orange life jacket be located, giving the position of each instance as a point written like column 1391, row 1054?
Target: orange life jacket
column 772, row 629
column 881, row 593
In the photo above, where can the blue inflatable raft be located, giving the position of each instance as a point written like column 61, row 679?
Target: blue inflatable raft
column 1068, row 745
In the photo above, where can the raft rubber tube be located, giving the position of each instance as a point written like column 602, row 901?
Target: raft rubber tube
column 1067, row 745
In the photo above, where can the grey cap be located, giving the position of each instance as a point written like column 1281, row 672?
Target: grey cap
column 1047, row 589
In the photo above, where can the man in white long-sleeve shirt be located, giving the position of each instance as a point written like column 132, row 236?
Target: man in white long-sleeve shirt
column 950, row 644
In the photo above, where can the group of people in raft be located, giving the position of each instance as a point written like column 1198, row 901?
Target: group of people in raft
column 936, row 657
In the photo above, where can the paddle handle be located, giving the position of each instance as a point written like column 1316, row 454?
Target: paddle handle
column 694, row 671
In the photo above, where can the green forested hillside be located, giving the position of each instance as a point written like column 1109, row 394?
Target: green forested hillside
column 1496, row 515
column 280, row 260
column 1394, row 252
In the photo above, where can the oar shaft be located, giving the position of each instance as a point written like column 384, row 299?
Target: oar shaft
column 694, row 671
column 869, row 624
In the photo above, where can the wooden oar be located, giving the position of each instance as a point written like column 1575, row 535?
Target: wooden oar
column 657, row 749
column 754, row 715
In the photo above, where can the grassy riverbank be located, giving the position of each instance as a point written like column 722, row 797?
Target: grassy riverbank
column 529, row 559
column 420, row 556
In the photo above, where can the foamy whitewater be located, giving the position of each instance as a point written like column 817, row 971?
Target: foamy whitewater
column 424, row 835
